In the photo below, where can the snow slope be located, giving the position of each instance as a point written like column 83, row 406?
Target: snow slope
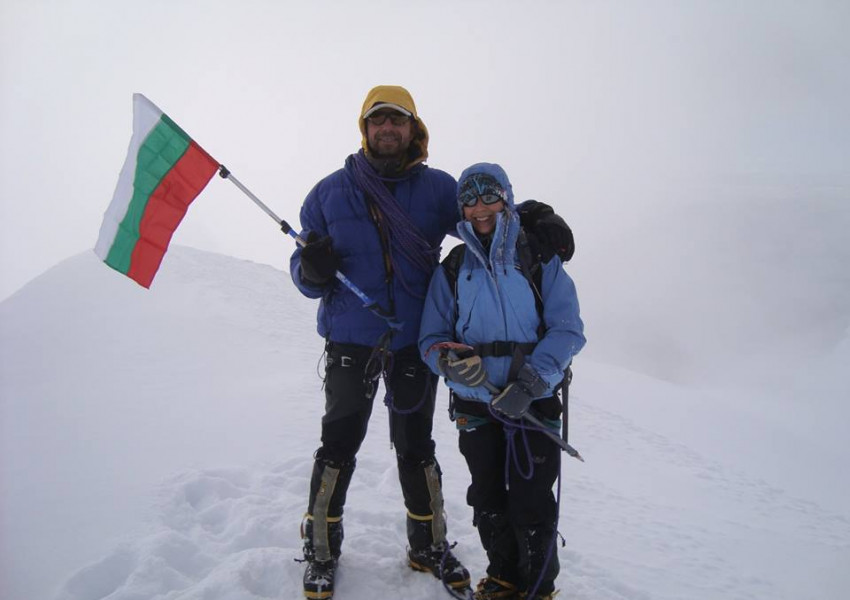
column 157, row 444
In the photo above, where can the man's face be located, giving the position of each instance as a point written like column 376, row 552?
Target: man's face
column 389, row 133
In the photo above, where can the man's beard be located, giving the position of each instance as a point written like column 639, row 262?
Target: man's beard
column 388, row 147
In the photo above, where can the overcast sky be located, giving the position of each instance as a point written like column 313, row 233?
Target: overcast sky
column 614, row 112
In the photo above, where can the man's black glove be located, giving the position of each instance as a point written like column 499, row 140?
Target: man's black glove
column 547, row 233
column 515, row 400
column 318, row 260
column 464, row 367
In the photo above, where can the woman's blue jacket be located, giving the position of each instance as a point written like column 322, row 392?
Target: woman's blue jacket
column 495, row 302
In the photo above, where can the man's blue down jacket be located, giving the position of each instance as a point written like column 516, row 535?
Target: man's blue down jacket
column 495, row 302
column 336, row 207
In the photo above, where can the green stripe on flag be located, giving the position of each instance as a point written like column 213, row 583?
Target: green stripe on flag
column 162, row 148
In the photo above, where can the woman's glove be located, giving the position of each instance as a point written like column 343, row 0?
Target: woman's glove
column 515, row 400
column 463, row 367
column 318, row 260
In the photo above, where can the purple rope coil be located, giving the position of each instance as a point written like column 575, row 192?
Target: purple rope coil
column 402, row 232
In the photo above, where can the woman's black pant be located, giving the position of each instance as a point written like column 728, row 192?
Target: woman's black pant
column 513, row 473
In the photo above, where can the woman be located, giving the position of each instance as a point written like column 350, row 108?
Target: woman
column 503, row 347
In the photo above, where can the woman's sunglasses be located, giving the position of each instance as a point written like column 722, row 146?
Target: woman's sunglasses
column 470, row 198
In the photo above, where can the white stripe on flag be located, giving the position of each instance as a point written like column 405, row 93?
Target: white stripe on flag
column 145, row 117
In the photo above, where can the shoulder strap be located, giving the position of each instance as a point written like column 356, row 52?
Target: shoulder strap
column 531, row 269
column 451, row 265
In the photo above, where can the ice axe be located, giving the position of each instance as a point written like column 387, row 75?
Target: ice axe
column 452, row 349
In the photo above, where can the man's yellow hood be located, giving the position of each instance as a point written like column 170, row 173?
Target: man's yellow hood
column 395, row 94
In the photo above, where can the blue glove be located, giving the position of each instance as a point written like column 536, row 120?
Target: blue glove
column 467, row 369
column 515, row 400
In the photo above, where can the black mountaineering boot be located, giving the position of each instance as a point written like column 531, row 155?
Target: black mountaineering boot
column 539, row 596
column 421, row 484
column 491, row 588
column 431, row 556
column 538, row 561
column 321, row 529
column 319, row 574
column 319, row 580
column 500, row 543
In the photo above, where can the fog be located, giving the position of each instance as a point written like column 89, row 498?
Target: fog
column 699, row 150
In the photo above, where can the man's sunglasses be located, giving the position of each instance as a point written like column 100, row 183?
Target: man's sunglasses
column 395, row 118
column 471, row 198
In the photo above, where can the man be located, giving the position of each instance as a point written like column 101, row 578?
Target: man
column 380, row 220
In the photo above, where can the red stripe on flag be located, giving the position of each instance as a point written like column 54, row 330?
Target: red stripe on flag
column 166, row 208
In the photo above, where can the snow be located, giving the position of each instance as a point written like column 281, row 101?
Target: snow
column 157, row 444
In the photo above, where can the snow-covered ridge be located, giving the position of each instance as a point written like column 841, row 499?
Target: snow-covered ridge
column 157, row 444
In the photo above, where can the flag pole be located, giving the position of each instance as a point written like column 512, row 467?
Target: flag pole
column 224, row 172
column 373, row 306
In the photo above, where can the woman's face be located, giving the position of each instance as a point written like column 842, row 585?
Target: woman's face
column 483, row 216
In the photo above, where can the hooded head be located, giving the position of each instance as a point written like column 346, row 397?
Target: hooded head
column 485, row 178
column 396, row 98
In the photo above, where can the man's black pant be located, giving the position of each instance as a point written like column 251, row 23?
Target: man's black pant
column 349, row 398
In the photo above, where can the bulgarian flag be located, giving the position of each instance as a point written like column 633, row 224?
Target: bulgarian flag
column 165, row 170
